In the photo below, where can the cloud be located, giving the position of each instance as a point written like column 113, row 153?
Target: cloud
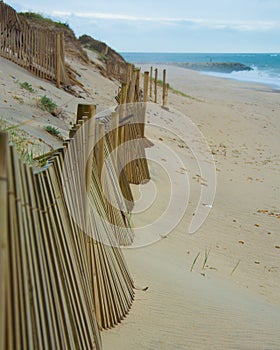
column 240, row 25
column 236, row 25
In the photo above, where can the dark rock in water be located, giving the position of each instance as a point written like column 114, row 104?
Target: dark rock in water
column 220, row 67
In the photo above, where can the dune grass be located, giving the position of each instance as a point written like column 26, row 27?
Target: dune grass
column 235, row 267
column 26, row 86
column 21, row 141
column 194, row 261
column 52, row 130
column 47, row 104
column 206, row 256
column 176, row 92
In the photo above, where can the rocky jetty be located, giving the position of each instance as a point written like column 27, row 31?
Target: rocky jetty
column 221, row 67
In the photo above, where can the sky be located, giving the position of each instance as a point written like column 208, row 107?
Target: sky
column 169, row 26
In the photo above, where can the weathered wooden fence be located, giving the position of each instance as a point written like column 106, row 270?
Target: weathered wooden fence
column 131, row 91
column 39, row 51
column 60, row 283
column 63, row 275
column 154, row 84
column 117, row 69
column 132, row 120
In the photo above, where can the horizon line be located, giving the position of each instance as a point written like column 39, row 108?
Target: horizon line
column 204, row 52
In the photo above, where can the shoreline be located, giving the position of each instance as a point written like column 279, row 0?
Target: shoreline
column 273, row 86
column 199, row 308
column 220, row 75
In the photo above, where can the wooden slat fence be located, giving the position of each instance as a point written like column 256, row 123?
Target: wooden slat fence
column 117, row 69
column 63, row 275
column 39, row 51
column 60, row 284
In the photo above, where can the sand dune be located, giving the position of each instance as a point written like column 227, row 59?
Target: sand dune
column 233, row 302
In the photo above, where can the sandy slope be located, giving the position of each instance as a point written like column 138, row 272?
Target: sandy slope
column 214, row 307
column 183, row 310
column 20, row 107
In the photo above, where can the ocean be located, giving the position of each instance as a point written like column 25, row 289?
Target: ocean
column 262, row 68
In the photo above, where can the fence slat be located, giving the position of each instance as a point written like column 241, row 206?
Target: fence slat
column 155, row 85
column 3, row 233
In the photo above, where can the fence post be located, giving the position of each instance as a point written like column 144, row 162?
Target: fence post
column 89, row 142
column 129, row 70
column 131, row 92
column 137, row 85
column 145, row 100
column 106, row 50
column 151, row 82
column 123, row 99
column 156, row 78
column 146, row 86
column 122, row 110
column 164, row 89
column 115, row 138
column 85, row 110
column 4, row 233
column 123, row 93
column 58, row 59
column 100, row 129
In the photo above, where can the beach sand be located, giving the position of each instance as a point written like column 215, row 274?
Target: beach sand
column 231, row 300
column 234, row 301
column 20, row 107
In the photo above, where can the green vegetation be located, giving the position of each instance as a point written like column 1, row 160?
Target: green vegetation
column 235, row 267
column 206, row 255
column 26, row 86
column 19, row 99
column 101, row 49
column 128, row 220
column 160, row 83
column 37, row 21
column 21, row 141
column 52, row 130
column 177, row 92
column 37, row 17
column 194, row 262
column 47, row 104
column 33, row 15
column 101, row 56
column 181, row 93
